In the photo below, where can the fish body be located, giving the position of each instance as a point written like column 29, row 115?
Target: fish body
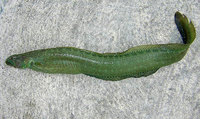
column 136, row 62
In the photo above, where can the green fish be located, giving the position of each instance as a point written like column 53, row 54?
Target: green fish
column 139, row 61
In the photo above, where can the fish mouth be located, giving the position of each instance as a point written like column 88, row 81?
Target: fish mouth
column 13, row 61
column 9, row 62
column 17, row 61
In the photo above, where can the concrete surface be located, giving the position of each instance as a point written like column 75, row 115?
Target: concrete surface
column 103, row 26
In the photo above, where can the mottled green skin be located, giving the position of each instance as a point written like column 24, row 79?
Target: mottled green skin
column 136, row 62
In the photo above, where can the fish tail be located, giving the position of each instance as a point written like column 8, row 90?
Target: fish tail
column 185, row 27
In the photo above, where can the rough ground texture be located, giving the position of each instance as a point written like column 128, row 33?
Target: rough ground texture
column 173, row 92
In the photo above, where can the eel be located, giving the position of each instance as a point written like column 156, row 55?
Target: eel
column 139, row 61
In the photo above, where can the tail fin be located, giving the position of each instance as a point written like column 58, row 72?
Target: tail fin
column 185, row 28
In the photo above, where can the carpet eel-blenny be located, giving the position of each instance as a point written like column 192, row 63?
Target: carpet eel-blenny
column 135, row 62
